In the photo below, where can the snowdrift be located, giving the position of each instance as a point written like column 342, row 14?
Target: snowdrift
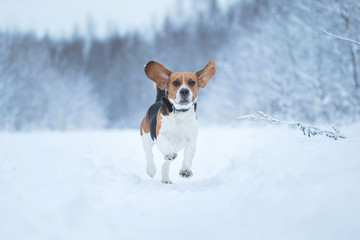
column 269, row 183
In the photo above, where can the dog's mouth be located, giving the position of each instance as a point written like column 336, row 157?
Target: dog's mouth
column 184, row 102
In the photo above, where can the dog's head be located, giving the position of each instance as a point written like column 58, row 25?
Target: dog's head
column 182, row 87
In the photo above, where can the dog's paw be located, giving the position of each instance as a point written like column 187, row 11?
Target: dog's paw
column 166, row 181
column 170, row 156
column 151, row 170
column 185, row 173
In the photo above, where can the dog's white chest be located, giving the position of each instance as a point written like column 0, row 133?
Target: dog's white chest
column 179, row 128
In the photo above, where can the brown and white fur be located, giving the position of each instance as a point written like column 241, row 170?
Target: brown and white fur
column 171, row 122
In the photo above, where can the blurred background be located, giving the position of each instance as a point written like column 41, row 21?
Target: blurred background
column 79, row 65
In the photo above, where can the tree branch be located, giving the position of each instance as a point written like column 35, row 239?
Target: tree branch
column 341, row 38
column 309, row 131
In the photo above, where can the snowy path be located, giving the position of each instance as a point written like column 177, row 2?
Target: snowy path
column 266, row 183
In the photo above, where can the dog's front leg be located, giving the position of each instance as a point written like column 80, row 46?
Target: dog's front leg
column 189, row 153
column 167, row 148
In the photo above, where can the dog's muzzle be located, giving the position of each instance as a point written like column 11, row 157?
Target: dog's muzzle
column 184, row 96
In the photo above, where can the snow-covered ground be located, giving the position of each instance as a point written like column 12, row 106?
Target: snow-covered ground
column 249, row 183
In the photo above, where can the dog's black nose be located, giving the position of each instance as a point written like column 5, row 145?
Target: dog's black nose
column 184, row 92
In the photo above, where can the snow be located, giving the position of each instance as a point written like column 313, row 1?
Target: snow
column 248, row 183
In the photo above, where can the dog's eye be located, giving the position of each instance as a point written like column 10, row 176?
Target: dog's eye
column 176, row 83
column 191, row 83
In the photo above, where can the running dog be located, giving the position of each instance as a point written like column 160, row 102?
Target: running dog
column 171, row 122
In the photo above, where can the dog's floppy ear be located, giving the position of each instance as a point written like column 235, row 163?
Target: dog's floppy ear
column 206, row 73
column 158, row 73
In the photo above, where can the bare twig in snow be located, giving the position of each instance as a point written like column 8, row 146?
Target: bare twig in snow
column 341, row 38
column 307, row 130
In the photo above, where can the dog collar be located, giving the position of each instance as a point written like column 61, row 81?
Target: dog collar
column 181, row 110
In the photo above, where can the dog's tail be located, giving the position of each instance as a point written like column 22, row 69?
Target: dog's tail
column 159, row 93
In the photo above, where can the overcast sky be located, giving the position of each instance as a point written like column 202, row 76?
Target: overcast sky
column 59, row 17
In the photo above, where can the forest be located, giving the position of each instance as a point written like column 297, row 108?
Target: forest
column 271, row 56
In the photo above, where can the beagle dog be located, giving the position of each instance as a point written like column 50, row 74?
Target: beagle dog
column 171, row 122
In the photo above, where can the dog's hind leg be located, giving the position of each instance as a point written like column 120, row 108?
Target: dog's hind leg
column 189, row 153
column 148, row 144
column 165, row 172
column 168, row 150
